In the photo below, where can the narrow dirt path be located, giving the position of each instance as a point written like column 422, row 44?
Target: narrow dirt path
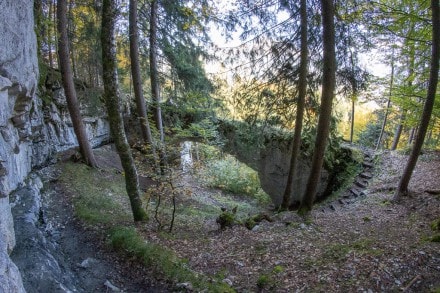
column 56, row 253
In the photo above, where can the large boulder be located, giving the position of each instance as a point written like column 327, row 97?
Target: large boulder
column 268, row 151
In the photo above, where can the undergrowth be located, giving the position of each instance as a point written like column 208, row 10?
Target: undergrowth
column 100, row 200
column 165, row 263
column 232, row 176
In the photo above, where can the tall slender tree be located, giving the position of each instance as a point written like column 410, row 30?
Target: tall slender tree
column 69, row 86
column 113, row 105
column 387, row 109
column 154, row 74
column 302, row 91
column 402, row 188
column 137, row 80
column 328, row 88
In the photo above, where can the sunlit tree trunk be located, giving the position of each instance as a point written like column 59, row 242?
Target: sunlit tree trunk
column 352, row 119
column 114, row 109
column 328, row 88
column 302, row 90
column 136, row 77
column 69, row 87
column 384, row 123
column 402, row 188
column 398, row 131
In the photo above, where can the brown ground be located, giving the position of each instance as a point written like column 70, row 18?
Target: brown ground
column 369, row 245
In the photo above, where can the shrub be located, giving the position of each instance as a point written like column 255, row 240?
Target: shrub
column 230, row 175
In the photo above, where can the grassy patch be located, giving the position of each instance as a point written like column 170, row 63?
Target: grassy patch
column 230, row 175
column 100, row 199
column 268, row 280
column 338, row 252
column 163, row 261
column 97, row 200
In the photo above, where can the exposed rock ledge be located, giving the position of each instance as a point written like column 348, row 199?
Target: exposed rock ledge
column 31, row 133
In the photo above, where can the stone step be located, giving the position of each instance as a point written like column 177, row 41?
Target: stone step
column 367, row 165
column 366, row 175
column 362, row 184
column 357, row 192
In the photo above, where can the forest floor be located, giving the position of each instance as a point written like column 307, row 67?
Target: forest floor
column 366, row 245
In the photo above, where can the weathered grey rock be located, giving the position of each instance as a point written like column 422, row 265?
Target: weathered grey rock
column 273, row 169
column 18, row 79
column 36, row 256
column 270, row 157
column 10, row 278
column 30, row 135
column 18, row 60
column 7, row 237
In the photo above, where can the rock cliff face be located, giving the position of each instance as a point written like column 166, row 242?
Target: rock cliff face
column 269, row 155
column 30, row 132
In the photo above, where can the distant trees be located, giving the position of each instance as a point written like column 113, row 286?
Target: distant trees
column 403, row 31
column 113, row 104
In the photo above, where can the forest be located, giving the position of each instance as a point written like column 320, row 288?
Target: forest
column 260, row 145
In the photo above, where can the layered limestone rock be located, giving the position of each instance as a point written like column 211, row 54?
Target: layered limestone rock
column 18, row 80
column 31, row 132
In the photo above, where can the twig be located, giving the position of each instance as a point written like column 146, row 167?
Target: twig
column 411, row 283
column 433, row 191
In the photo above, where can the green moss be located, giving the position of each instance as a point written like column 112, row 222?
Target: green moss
column 435, row 225
column 227, row 218
column 267, row 280
column 435, row 238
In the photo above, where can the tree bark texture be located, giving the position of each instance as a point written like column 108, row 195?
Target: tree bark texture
column 154, row 75
column 69, row 86
column 352, row 120
column 398, row 131
column 328, row 88
column 402, row 187
column 136, row 76
column 302, row 91
column 114, row 108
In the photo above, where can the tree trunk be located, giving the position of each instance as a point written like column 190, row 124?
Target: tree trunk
column 69, row 87
column 41, row 28
column 398, row 131
column 137, row 81
column 302, row 91
column 385, row 118
column 328, row 88
column 352, row 120
column 154, row 75
column 411, row 135
column 402, row 188
column 49, row 35
column 55, row 35
column 113, row 105
column 71, row 30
